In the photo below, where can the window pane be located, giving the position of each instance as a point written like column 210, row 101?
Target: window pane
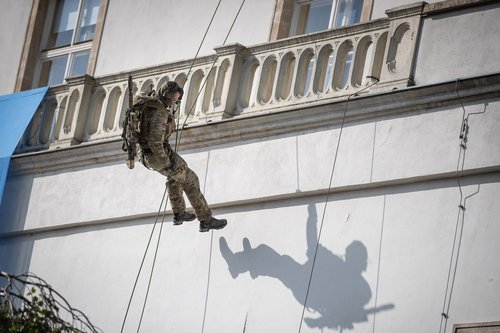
column 313, row 16
column 319, row 17
column 341, row 13
column 79, row 65
column 328, row 75
column 302, row 14
column 90, row 10
column 357, row 7
column 347, row 68
column 309, row 76
column 64, row 23
column 52, row 72
column 348, row 12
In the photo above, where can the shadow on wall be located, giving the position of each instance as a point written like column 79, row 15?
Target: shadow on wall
column 338, row 291
column 15, row 254
column 15, row 251
column 15, row 203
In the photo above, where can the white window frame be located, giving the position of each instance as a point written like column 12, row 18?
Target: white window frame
column 69, row 50
column 333, row 13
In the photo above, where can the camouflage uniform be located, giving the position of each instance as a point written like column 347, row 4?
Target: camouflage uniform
column 157, row 124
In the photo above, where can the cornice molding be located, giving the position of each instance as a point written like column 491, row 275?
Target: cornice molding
column 453, row 5
column 372, row 186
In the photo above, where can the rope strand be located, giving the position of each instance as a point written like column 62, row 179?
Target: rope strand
column 152, row 266
column 178, row 136
column 143, row 259
column 328, row 197
column 161, row 204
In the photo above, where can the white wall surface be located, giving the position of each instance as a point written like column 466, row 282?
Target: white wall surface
column 159, row 31
column 257, row 269
column 453, row 45
column 391, row 149
column 14, row 16
column 398, row 206
column 211, row 283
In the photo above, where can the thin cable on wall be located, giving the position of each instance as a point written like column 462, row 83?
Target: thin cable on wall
column 460, row 222
column 329, row 192
column 179, row 131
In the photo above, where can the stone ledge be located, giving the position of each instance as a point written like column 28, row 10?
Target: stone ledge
column 452, row 5
column 308, row 116
column 406, row 10
column 466, row 177
column 476, row 327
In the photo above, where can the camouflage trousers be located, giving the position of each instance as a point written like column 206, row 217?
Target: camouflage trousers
column 181, row 180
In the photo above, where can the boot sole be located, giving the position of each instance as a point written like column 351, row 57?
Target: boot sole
column 213, row 228
column 185, row 220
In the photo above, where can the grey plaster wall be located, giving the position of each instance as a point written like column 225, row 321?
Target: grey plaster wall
column 452, row 45
column 164, row 31
column 383, row 255
column 14, row 16
column 382, row 263
column 381, row 245
column 393, row 149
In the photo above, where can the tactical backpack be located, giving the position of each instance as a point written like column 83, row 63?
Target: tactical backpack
column 131, row 128
column 132, row 122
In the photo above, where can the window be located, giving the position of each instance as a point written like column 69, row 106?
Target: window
column 70, row 26
column 312, row 16
column 317, row 15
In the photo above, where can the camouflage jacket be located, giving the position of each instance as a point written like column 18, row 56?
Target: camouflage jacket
column 157, row 124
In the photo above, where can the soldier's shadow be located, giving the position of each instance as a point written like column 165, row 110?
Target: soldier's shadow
column 338, row 292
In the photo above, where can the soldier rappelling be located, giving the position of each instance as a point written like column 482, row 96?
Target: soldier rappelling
column 148, row 124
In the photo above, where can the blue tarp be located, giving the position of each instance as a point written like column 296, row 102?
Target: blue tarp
column 16, row 111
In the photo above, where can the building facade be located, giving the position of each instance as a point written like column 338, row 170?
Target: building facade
column 352, row 145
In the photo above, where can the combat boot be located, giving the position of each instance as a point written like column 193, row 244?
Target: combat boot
column 181, row 217
column 212, row 223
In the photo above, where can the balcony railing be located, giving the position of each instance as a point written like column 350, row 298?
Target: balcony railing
column 239, row 80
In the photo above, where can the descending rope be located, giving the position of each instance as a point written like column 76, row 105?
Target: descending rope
column 459, row 226
column 179, row 132
column 208, row 282
column 164, row 199
column 143, row 259
column 328, row 195
column 189, row 72
column 203, row 39
column 152, row 266
column 179, row 136
column 176, row 147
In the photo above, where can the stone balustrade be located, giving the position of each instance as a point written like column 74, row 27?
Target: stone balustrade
column 239, row 80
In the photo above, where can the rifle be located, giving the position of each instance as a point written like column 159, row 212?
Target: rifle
column 130, row 128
